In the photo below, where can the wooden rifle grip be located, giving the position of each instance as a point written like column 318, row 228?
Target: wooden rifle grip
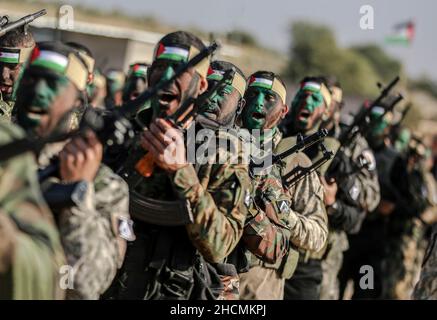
column 145, row 165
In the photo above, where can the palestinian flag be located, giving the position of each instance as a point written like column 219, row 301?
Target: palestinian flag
column 50, row 60
column 9, row 56
column 260, row 82
column 139, row 70
column 215, row 74
column 403, row 34
column 172, row 53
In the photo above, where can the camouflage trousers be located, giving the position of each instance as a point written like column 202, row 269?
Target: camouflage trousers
column 261, row 283
column 401, row 267
column 331, row 265
column 426, row 288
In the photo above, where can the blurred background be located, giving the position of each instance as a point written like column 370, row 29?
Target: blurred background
column 293, row 38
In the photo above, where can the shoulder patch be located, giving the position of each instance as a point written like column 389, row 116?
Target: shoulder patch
column 125, row 228
column 368, row 156
column 283, row 206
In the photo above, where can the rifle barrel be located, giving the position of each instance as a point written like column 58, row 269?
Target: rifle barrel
column 21, row 22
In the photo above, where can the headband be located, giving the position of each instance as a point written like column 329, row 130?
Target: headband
column 138, row 70
column 70, row 66
column 318, row 87
column 89, row 61
column 180, row 53
column 14, row 55
column 237, row 82
column 337, row 94
column 275, row 85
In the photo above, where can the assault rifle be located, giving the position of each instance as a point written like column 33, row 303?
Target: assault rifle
column 5, row 26
column 302, row 143
column 111, row 130
column 361, row 124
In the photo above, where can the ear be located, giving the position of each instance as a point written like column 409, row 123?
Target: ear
column 203, row 85
column 284, row 111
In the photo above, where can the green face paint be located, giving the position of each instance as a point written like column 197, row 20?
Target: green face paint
column 215, row 105
column 166, row 75
column 259, row 104
column 304, row 105
column 36, row 95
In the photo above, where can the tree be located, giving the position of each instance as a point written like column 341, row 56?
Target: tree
column 314, row 51
column 386, row 66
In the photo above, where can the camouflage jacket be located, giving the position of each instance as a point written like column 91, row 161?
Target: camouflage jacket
column 6, row 109
column 218, row 195
column 31, row 254
column 360, row 192
column 94, row 231
column 426, row 288
column 267, row 234
column 308, row 221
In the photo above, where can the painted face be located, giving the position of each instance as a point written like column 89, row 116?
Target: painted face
column 222, row 106
column 308, row 108
column 9, row 76
column 42, row 100
column 134, row 86
column 380, row 127
column 262, row 110
column 169, row 99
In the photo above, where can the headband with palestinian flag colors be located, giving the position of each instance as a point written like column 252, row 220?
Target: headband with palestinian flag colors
column 319, row 88
column 180, row 53
column 14, row 55
column 68, row 65
column 237, row 82
column 138, row 70
column 271, row 84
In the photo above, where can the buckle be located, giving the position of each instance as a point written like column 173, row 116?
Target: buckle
column 178, row 284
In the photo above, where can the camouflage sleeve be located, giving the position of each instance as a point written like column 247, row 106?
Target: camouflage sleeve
column 267, row 234
column 218, row 202
column 308, row 219
column 369, row 196
column 90, row 235
column 30, row 249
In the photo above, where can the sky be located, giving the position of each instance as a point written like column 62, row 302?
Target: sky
column 269, row 21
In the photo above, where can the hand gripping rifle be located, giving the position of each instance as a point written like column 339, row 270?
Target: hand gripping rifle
column 111, row 130
column 181, row 117
column 5, row 26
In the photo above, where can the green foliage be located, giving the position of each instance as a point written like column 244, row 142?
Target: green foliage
column 241, row 37
column 314, row 51
column 386, row 66
column 424, row 84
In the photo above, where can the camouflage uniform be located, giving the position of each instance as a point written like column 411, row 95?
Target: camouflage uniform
column 426, row 288
column 297, row 219
column 6, row 109
column 93, row 232
column 30, row 249
column 357, row 196
column 174, row 261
